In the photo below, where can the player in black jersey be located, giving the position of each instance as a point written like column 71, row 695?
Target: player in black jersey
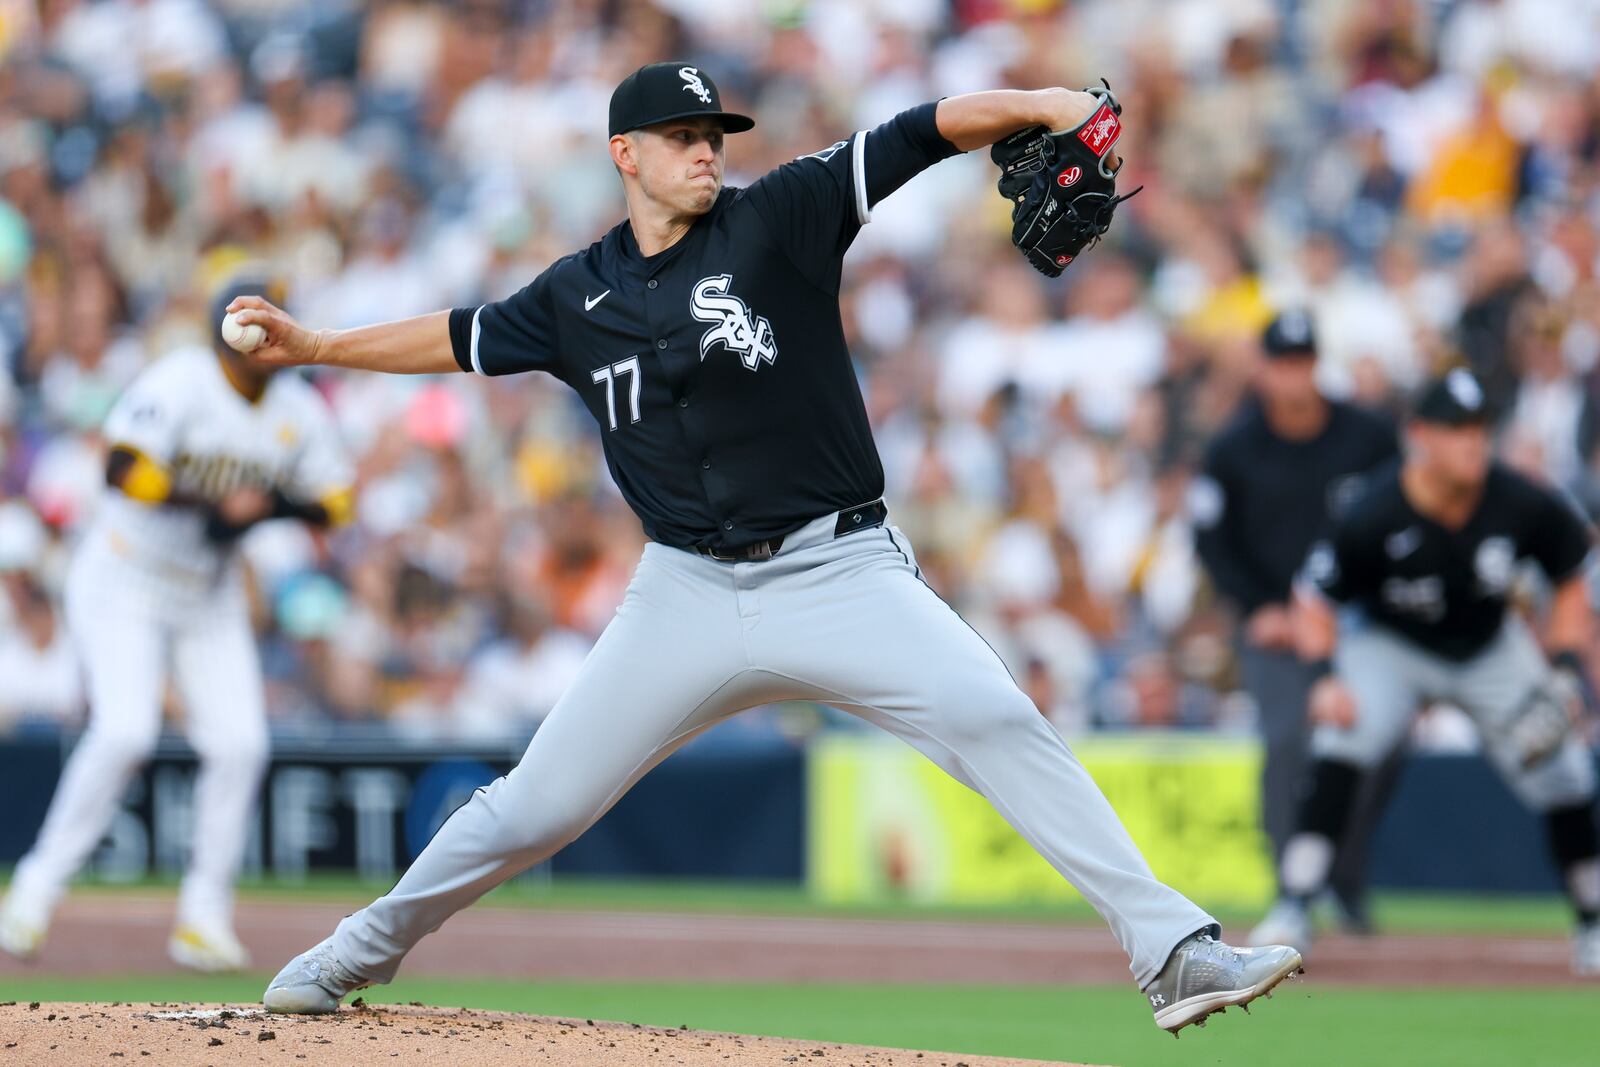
column 1426, row 560
column 1288, row 459
column 705, row 337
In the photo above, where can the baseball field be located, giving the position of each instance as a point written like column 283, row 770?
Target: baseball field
column 664, row 972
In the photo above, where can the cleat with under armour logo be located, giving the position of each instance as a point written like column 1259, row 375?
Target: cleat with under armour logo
column 1204, row 976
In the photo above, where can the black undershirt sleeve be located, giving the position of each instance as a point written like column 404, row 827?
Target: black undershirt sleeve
column 285, row 507
column 461, row 336
column 814, row 206
column 902, row 148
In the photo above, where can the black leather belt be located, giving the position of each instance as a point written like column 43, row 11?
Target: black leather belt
column 862, row 517
column 761, row 550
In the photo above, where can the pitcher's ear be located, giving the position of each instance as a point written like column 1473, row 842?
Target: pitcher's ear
column 624, row 153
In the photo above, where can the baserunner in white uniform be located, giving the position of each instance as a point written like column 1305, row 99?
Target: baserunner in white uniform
column 704, row 336
column 204, row 443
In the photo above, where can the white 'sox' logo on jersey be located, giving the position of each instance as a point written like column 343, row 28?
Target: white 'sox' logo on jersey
column 737, row 328
column 695, row 85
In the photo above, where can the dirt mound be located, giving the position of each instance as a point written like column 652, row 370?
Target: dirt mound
column 194, row 1034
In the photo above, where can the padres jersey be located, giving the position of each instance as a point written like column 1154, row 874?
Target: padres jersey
column 717, row 369
column 1444, row 589
column 183, row 414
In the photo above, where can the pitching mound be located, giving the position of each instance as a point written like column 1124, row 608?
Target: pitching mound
column 195, row 1034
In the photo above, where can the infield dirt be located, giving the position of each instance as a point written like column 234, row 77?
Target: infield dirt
column 197, row 1034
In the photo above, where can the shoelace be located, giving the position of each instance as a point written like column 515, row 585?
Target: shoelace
column 345, row 976
column 322, row 966
column 1219, row 951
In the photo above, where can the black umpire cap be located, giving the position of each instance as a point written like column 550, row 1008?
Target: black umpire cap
column 1455, row 399
column 1289, row 334
column 660, row 92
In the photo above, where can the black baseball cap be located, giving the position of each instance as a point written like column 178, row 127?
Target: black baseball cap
column 1289, row 334
column 661, row 92
column 1454, row 399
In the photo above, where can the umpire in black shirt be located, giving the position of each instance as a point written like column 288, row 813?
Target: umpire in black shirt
column 1271, row 480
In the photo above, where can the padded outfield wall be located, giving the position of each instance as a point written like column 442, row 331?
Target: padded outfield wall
column 856, row 816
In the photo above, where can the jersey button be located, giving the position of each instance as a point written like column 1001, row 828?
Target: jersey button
column 661, row 343
column 728, row 525
column 683, row 402
column 651, row 284
column 705, row 464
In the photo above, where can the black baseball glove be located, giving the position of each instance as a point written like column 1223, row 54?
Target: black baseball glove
column 1062, row 189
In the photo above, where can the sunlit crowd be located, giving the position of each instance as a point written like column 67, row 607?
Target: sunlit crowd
column 1424, row 177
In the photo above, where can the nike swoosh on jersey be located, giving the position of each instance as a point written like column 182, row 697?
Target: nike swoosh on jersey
column 1402, row 544
column 588, row 304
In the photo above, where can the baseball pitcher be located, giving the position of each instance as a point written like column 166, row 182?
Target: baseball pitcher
column 704, row 336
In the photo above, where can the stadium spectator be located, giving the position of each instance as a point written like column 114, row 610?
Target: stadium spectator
column 1425, row 176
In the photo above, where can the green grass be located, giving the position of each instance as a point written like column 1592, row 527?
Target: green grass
column 1410, row 913
column 1304, row 1025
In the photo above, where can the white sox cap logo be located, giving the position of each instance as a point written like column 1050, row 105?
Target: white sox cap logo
column 691, row 75
column 737, row 328
column 1464, row 387
column 1295, row 327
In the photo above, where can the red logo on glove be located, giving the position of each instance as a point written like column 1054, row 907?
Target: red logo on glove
column 1069, row 176
column 1062, row 261
column 1101, row 131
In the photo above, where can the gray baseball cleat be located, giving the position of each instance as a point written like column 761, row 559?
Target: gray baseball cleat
column 1204, row 975
column 312, row 984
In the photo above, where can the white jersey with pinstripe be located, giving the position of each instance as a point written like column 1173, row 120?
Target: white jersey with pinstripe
column 183, row 414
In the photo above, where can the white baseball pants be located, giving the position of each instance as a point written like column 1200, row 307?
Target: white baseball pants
column 126, row 640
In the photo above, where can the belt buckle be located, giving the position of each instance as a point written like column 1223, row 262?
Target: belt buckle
column 756, row 553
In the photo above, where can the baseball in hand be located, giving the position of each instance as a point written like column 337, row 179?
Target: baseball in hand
column 242, row 338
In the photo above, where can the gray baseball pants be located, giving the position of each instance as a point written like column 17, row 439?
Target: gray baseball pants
column 843, row 620
column 1391, row 677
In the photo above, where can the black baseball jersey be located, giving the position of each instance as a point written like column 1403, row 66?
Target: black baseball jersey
column 717, row 368
column 1446, row 589
column 1262, row 500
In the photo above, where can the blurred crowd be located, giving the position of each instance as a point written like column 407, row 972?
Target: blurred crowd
column 1424, row 175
